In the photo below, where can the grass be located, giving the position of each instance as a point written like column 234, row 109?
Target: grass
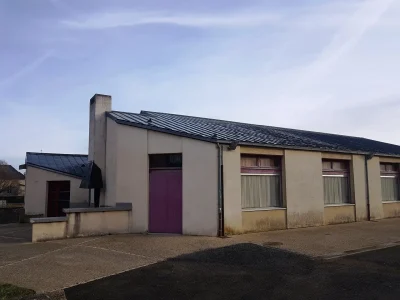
column 9, row 291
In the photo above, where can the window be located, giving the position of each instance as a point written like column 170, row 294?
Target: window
column 336, row 181
column 261, row 182
column 390, row 182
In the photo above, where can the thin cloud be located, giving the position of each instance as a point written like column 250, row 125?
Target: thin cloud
column 26, row 69
column 345, row 39
column 130, row 19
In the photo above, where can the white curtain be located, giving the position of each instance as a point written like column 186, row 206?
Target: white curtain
column 336, row 190
column 261, row 191
column 390, row 188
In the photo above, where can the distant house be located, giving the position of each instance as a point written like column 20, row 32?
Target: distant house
column 12, row 182
column 52, row 183
column 199, row 176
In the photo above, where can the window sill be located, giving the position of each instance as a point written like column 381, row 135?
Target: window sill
column 391, row 201
column 264, row 208
column 341, row 204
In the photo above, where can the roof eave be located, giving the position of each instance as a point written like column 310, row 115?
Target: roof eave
column 52, row 170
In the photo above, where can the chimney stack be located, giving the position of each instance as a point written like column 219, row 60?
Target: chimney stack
column 99, row 105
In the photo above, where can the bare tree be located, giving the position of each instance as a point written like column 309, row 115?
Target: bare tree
column 7, row 186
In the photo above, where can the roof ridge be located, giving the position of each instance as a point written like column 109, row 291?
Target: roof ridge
column 63, row 154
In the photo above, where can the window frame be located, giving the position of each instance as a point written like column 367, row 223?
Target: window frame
column 258, row 170
column 335, row 172
column 390, row 174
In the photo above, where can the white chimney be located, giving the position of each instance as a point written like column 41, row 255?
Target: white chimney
column 99, row 105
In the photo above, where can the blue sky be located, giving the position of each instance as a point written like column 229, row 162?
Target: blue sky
column 329, row 66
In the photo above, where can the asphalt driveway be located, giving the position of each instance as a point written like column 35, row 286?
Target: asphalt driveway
column 249, row 271
column 283, row 263
column 15, row 233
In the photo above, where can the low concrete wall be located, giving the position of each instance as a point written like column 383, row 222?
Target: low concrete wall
column 45, row 229
column 264, row 220
column 83, row 222
column 339, row 214
column 391, row 209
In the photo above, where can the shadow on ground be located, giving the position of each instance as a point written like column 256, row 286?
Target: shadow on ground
column 249, row 271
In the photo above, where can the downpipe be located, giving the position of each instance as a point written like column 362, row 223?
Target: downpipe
column 221, row 231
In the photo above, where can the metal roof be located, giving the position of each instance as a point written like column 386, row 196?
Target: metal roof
column 68, row 164
column 8, row 172
column 213, row 130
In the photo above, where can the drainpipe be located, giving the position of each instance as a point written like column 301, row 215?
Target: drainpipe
column 221, row 231
column 366, row 159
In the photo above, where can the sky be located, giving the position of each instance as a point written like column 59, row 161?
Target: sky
column 330, row 66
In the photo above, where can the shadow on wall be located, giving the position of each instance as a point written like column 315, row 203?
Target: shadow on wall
column 243, row 271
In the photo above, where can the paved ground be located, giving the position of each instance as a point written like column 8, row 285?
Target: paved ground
column 249, row 271
column 15, row 233
column 183, row 265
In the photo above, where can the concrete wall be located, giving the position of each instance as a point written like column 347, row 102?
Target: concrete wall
column 99, row 105
column 264, row 220
column 83, row 222
column 98, row 223
column 375, row 192
column 49, row 231
column 304, row 188
column 232, row 191
column 36, row 190
column 359, row 187
column 130, row 151
column 391, row 209
column 339, row 214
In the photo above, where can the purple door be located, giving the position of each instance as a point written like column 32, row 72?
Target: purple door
column 165, row 198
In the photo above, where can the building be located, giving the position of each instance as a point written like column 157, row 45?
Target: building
column 12, row 185
column 201, row 176
column 52, row 183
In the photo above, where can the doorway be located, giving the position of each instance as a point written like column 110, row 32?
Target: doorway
column 165, row 193
column 58, row 197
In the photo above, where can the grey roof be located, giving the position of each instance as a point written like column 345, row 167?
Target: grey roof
column 8, row 172
column 68, row 164
column 213, row 130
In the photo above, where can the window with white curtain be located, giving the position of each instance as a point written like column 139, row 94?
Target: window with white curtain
column 390, row 182
column 261, row 182
column 336, row 182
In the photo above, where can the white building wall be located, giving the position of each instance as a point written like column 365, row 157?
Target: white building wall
column 130, row 151
column 36, row 190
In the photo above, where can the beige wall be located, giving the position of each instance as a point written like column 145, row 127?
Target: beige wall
column 264, row 220
column 261, row 151
column 49, row 231
column 304, row 188
column 200, row 177
column 391, row 209
column 359, row 187
column 375, row 193
column 339, row 214
column 131, row 174
column 110, row 185
column 98, row 223
column 232, row 190
column 36, row 190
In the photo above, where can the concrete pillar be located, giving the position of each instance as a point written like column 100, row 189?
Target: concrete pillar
column 359, row 187
column 99, row 105
column 232, row 191
column 375, row 193
column 304, row 188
